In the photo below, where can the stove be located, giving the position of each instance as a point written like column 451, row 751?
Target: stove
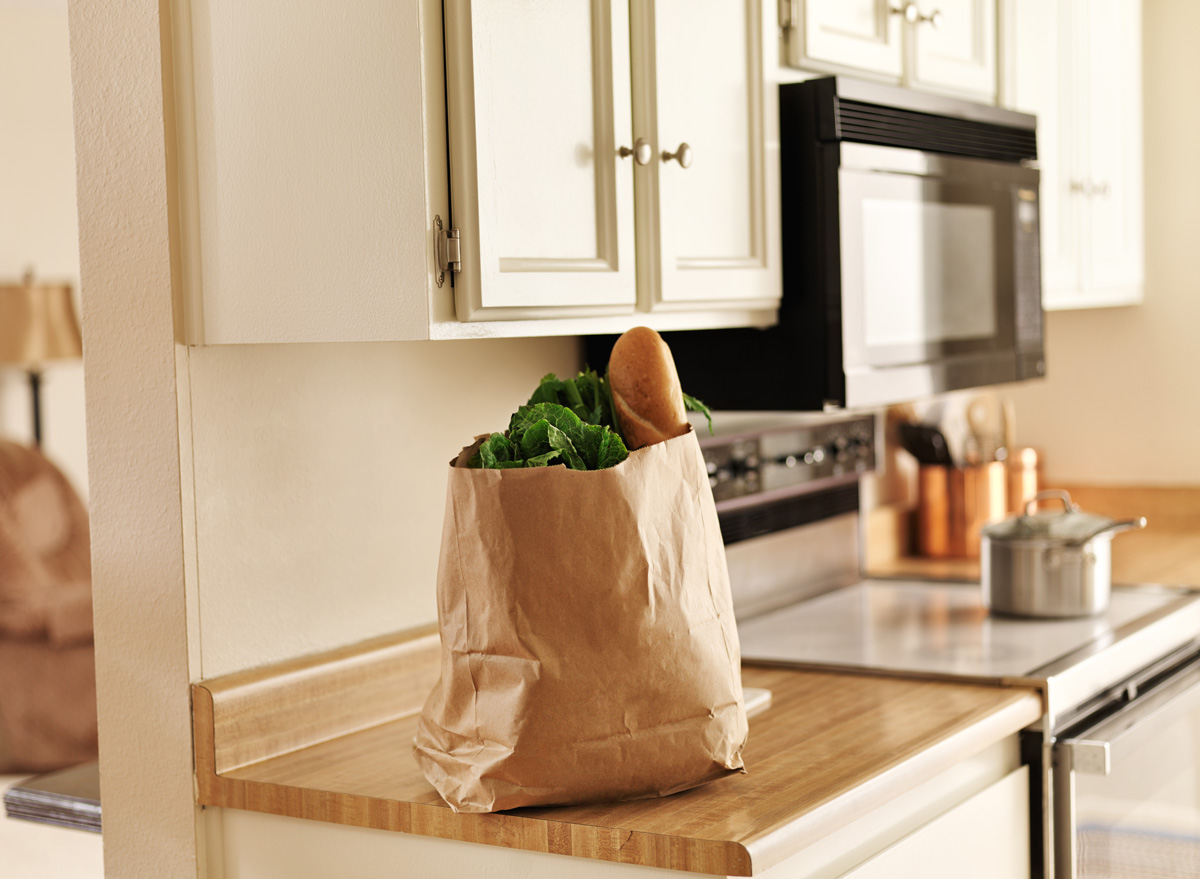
column 1114, row 766
column 942, row 630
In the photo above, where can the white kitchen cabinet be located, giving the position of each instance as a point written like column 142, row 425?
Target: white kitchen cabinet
column 984, row 837
column 548, row 158
column 946, row 46
column 322, row 138
column 311, row 161
column 1077, row 66
column 707, row 201
column 959, row 53
column 971, row 819
column 861, row 35
column 539, row 107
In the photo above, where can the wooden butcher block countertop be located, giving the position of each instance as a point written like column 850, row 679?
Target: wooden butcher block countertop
column 329, row 738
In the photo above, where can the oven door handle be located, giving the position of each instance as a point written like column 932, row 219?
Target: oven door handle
column 1095, row 750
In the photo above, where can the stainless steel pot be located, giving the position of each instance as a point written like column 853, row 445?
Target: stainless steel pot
column 1050, row 564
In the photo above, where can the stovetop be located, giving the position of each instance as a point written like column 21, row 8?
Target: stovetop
column 943, row 630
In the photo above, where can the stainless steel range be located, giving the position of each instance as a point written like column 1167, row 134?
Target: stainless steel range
column 1115, row 760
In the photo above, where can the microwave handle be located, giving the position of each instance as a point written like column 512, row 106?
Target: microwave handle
column 1095, row 750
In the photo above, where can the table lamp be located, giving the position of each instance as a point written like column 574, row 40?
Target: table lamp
column 37, row 325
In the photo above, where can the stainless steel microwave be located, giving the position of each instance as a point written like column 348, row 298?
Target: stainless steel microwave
column 910, row 256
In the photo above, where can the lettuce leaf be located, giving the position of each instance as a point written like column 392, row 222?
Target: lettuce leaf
column 693, row 405
column 568, row 422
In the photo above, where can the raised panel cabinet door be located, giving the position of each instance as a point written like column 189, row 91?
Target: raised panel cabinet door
column 538, row 100
column 860, row 34
column 1045, row 84
column 955, row 50
column 1110, row 71
column 702, row 203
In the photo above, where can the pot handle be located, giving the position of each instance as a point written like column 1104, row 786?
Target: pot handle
column 1056, row 494
column 1119, row 525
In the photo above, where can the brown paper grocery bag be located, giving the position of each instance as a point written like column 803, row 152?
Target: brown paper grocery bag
column 588, row 644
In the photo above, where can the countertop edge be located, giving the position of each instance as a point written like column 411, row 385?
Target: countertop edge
column 797, row 835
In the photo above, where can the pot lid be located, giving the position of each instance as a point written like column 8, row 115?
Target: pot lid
column 1067, row 524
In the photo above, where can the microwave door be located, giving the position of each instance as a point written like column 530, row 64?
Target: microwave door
column 927, row 255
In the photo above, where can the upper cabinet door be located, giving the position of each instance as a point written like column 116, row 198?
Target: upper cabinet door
column 863, row 34
column 954, row 46
column 1113, row 266
column 702, row 203
column 538, row 99
column 1043, row 84
column 1078, row 67
column 304, row 133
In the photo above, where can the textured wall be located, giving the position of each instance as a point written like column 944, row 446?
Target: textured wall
column 139, row 596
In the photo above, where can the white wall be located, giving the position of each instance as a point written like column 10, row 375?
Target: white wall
column 38, row 224
column 320, row 482
column 1122, row 401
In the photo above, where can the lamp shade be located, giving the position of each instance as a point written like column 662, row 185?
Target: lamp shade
column 37, row 324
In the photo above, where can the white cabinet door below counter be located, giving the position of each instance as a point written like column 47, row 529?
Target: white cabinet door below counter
column 984, row 837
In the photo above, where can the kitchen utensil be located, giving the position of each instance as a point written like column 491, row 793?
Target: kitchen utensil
column 985, row 441
column 1050, row 564
column 1023, row 477
column 925, row 443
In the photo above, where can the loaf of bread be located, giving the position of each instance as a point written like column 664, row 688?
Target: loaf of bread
column 647, row 397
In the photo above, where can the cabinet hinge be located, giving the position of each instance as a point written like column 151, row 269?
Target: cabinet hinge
column 789, row 14
column 449, row 254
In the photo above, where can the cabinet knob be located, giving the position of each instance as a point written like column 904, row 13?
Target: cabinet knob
column 1087, row 187
column 642, row 152
column 682, row 154
column 913, row 15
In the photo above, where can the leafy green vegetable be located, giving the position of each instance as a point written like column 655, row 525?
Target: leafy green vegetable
column 587, row 395
column 566, row 421
column 497, row 450
column 694, row 405
column 527, row 416
column 542, row 437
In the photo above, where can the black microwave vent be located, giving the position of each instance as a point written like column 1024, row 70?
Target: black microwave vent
column 895, row 126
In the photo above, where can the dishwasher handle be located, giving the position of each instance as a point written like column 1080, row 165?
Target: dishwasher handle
column 1094, row 751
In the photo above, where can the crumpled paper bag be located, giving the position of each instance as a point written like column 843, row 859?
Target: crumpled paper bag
column 589, row 651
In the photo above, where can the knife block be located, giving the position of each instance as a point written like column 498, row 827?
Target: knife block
column 953, row 505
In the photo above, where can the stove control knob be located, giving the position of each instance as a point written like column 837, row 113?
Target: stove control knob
column 840, row 449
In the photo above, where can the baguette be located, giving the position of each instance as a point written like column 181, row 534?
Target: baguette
column 647, row 397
